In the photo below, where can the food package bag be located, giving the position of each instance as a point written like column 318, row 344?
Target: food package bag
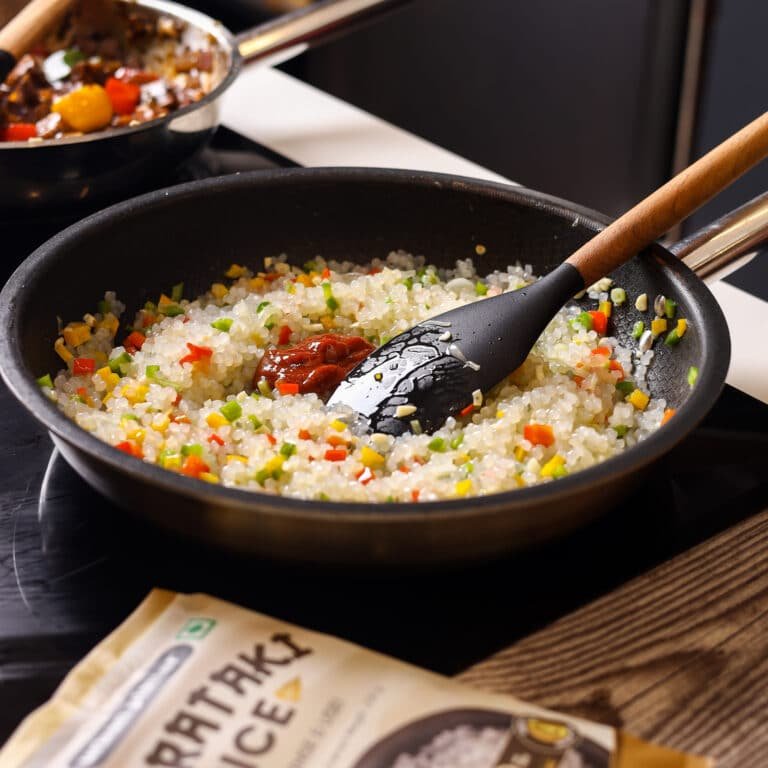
column 190, row 681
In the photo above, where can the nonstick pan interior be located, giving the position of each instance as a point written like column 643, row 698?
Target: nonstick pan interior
column 195, row 231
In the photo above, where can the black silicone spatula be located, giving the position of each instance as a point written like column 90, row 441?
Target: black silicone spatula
column 24, row 29
column 442, row 365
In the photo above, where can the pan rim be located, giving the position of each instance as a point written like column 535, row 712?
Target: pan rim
column 225, row 40
column 715, row 349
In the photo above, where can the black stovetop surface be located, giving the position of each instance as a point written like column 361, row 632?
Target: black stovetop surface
column 72, row 566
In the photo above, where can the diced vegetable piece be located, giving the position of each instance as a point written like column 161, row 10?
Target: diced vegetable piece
column 219, row 291
column 123, row 96
column 82, row 366
column 641, row 302
column 639, row 399
column 672, row 339
column 262, row 305
column 45, row 381
column 402, row 411
column 152, row 372
column 693, row 375
column 554, row 467
column 658, row 325
column 177, row 292
column 615, row 365
column 214, row 438
column 621, row 429
column 637, row 329
column 539, row 434
column 371, row 458
column 599, row 321
column 287, row 449
column 336, row 441
column 436, row 444
column 668, row 414
column 287, row 387
column 72, row 56
column 336, row 454
column 131, row 448
column 61, row 350
column 87, row 108
column 408, row 283
column 235, row 271
column 222, row 324
column 194, row 466
column 481, row 289
column 284, row 335
column 169, row 460
column 256, row 423
column 171, row 310
column 625, row 387
column 670, row 307
column 457, row 441
column 192, row 449
column 196, row 354
column 135, row 393
column 215, row 420
column 467, row 410
column 606, row 307
column 134, row 341
column 681, row 327
column 365, row 475
column 338, row 425
column 18, row 132
column 582, row 320
column 208, row 477
column 304, row 434
column 618, row 296
column 111, row 380
column 264, row 387
column 601, row 351
column 76, row 334
column 231, row 410
column 463, row 487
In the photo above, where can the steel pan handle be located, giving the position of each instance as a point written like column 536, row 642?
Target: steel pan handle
column 716, row 245
column 318, row 23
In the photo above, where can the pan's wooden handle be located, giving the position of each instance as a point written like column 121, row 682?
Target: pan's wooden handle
column 24, row 29
column 673, row 202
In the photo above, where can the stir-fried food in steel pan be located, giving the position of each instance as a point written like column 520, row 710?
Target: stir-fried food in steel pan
column 106, row 66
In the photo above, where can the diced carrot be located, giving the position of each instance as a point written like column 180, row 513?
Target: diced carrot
column 336, row 441
column 287, row 387
column 335, row 454
column 578, row 380
column 272, row 439
column 601, row 351
column 285, row 335
column 134, row 341
column 123, row 95
column 325, row 274
column 196, row 354
column 304, row 435
column 194, row 466
column 415, row 493
column 615, row 365
column 82, row 366
column 131, row 448
column 466, row 411
column 539, row 434
column 215, row 439
column 668, row 414
column 365, row 475
column 599, row 322
column 404, row 469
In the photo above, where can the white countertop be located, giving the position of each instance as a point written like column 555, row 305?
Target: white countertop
column 314, row 128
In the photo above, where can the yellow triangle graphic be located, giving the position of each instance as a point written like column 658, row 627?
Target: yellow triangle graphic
column 291, row 691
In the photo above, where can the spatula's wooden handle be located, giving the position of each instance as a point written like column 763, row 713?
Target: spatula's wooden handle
column 673, row 202
column 24, row 29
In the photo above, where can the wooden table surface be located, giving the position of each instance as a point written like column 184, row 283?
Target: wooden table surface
column 679, row 655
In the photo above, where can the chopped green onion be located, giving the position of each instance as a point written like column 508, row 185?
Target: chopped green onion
column 231, row 411
column 45, row 381
column 130, row 417
column 693, row 374
column 420, row 272
column 192, row 449
column 287, row 449
column 625, row 387
column 481, row 289
column 637, row 329
column 559, row 471
column 72, row 56
column 457, row 441
column 468, row 467
column 621, row 429
column 255, row 422
column 408, row 283
column 669, row 308
column 152, row 372
column 327, row 290
column 618, row 296
column 177, row 292
column 332, row 304
column 222, row 324
column 436, row 444
column 269, row 326
column 261, row 306
column 172, row 310
column 390, row 499
column 582, row 320
column 262, row 475
column 323, row 496
column 264, row 387
column 120, row 363
column 672, row 339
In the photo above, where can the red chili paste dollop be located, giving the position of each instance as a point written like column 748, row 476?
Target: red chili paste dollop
column 317, row 364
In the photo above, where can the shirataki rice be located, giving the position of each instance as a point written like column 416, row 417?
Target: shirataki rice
column 181, row 394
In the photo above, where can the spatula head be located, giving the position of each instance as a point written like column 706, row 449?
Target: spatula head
column 442, row 365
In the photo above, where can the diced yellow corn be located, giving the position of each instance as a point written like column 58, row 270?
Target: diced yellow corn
column 209, row 477
column 106, row 398
column 463, row 487
column 236, row 457
column 135, row 393
column 658, row 325
column 520, row 482
column 257, row 283
column 338, row 425
column 520, row 452
column 682, row 327
column 110, row 379
column 499, row 414
column 639, row 399
column 305, row 280
column 235, row 271
column 275, row 463
column 219, row 290
column 110, row 322
column 371, row 458
column 161, row 423
column 136, row 433
column 62, row 351
column 164, row 300
column 328, row 322
column 215, row 420
column 87, row 108
column 76, row 334
column 549, row 469
column 171, row 462
column 290, row 288
column 606, row 307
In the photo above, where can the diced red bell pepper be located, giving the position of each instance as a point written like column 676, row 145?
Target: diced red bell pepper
column 215, row 439
column 123, row 95
column 196, row 354
column 194, row 466
column 539, row 434
column 131, row 448
column 18, row 132
column 336, row 441
column 134, row 341
column 467, row 410
column 304, row 434
column 287, row 387
column 602, row 351
column 285, row 335
column 599, row 322
column 82, row 366
column 364, row 476
column 272, row 439
column 615, row 365
column 325, row 274
column 415, row 493
column 336, row 454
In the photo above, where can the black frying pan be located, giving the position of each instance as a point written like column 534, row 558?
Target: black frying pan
column 104, row 165
column 193, row 232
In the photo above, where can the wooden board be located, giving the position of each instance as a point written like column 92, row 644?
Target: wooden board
column 678, row 655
